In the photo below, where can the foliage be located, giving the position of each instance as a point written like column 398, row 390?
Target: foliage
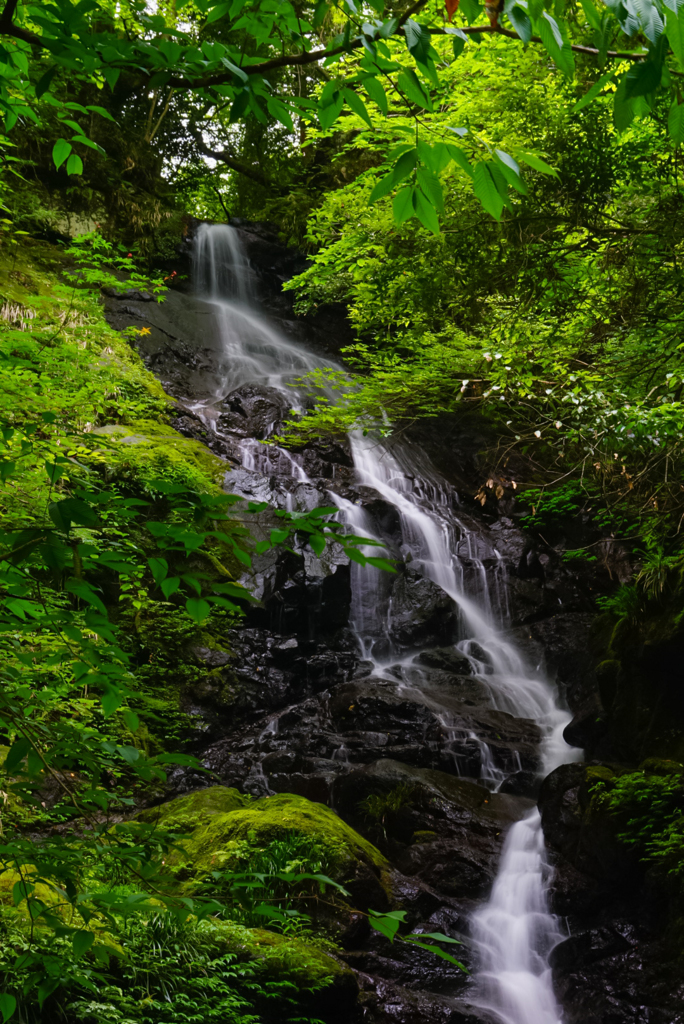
column 82, row 558
column 376, row 806
column 172, row 971
column 388, row 925
column 649, row 807
column 248, row 59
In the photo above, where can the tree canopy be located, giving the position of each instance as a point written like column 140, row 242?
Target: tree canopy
column 259, row 61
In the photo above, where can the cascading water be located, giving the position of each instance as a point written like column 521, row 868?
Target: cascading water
column 252, row 350
column 514, row 932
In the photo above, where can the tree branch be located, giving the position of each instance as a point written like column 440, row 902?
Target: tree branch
column 236, row 165
column 313, row 56
column 8, row 28
column 470, row 30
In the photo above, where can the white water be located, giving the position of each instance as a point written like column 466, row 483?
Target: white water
column 514, row 931
column 252, row 350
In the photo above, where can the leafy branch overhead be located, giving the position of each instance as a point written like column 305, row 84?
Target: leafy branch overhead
column 371, row 55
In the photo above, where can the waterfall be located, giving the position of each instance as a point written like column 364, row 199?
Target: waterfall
column 514, row 931
column 251, row 349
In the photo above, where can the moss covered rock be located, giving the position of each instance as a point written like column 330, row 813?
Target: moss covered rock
column 222, row 827
column 149, row 450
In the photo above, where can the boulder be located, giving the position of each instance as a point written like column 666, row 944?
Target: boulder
column 254, row 411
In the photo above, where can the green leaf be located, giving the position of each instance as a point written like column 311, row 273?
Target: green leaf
column 72, row 510
column 131, row 719
column 279, row 536
column 675, row 123
column 111, row 76
column 594, row 91
column 85, row 592
column 459, row 157
column 170, row 586
column 330, row 106
column 46, row 988
column 643, row 79
column 218, row 12
column 387, row 924
column 85, row 141
column 623, row 108
column 402, row 207
column 197, row 609
column 535, row 162
column 74, row 164
column 8, row 1005
column 431, row 948
column 21, row 890
column 591, row 14
column 418, row 40
column 317, row 542
column 472, row 10
column 486, row 191
column 159, row 568
column 129, row 754
column 519, row 19
column 242, row 556
column 403, row 167
column 555, row 45
column 650, row 20
column 81, row 942
column 60, row 151
column 358, row 106
column 16, row 754
column 459, row 39
column 235, row 590
column 431, row 188
column 111, row 700
column 376, row 92
column 380, row 563
column 674, row 29
column 279, row 112
column 425, row 212
column 413, row 88
column 102, row 112
column 44, row 82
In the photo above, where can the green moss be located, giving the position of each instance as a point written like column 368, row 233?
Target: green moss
column 423, row 836
column 661, row 766
column 305, row 964
column 192, row 811
column 149, row 450
column 220, row 822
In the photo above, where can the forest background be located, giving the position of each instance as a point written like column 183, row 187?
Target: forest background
column 494, row 194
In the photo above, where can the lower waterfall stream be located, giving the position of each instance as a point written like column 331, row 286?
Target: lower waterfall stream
column 513, row 931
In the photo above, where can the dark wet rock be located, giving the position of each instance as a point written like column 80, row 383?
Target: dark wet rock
column 422, row 614
column 588, row 726
column 616, row 972
column 253, row 410
column 447, row 659
column 560, row 645
column 522, row 783
column 619, row 963
column 444, row 831
column 580, row 828
column 385, row 1002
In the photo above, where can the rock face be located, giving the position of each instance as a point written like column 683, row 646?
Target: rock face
column 394, row 753
column 622, row 960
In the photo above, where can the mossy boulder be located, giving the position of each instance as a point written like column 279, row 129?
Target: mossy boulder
column 306, row 964
column 149, row 450
column 222, row 826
